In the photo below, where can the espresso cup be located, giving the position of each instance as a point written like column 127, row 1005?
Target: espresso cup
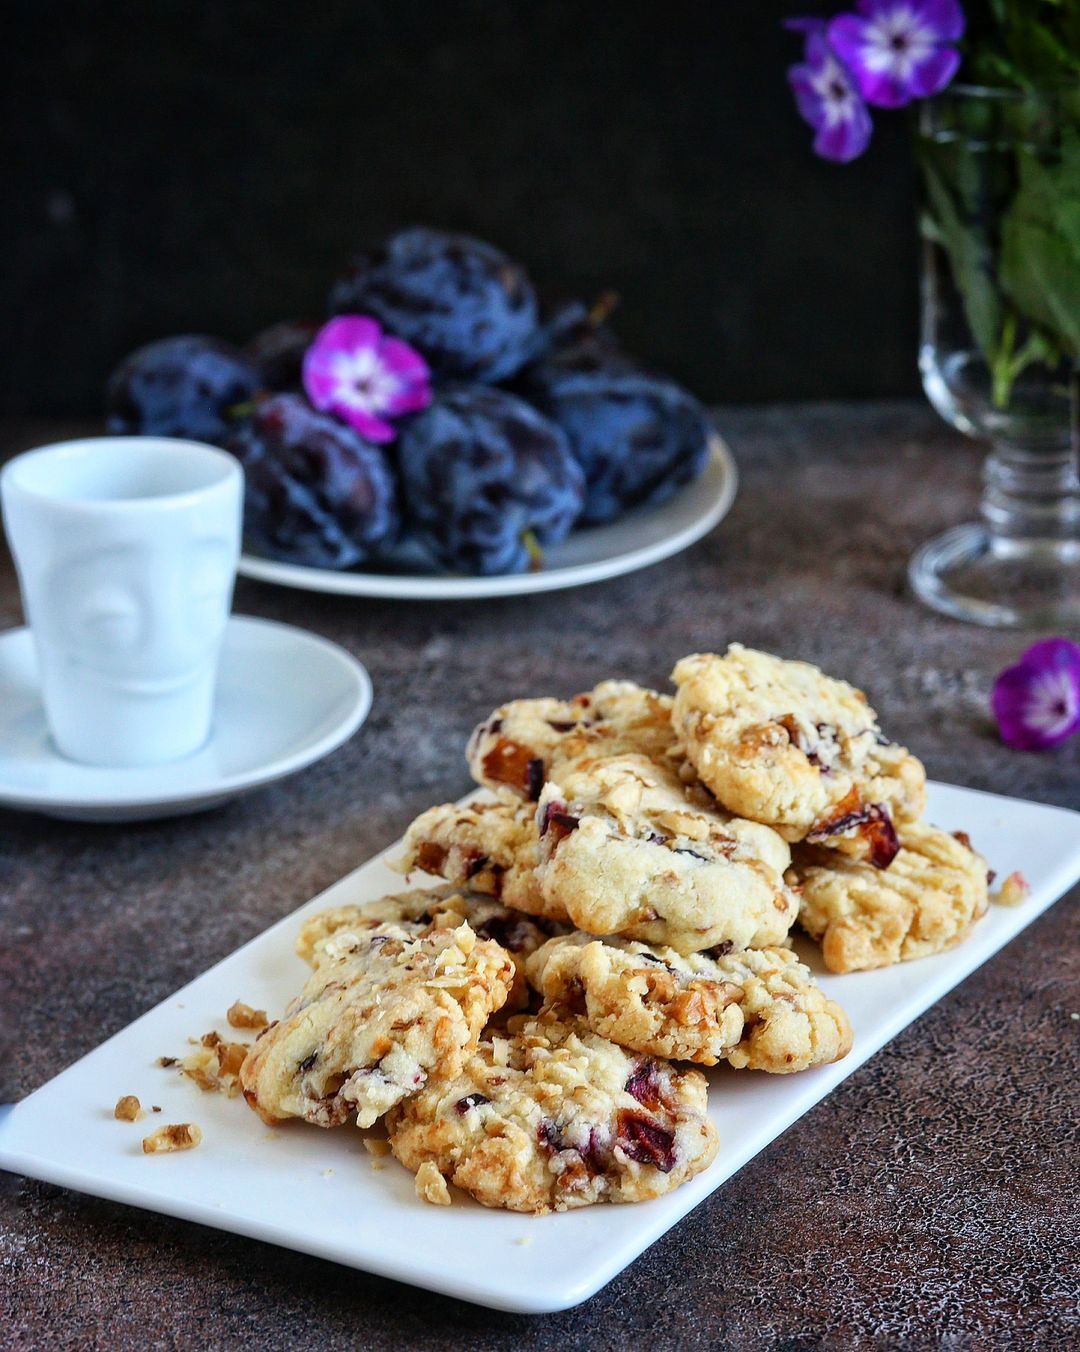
column 126, row 550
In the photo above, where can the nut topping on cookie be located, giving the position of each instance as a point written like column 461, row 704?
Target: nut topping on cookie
column 926, row 901
column 783, row 744
column 759, row 1009
column 384, row 1009
column 559, row 1124
column 625, row 850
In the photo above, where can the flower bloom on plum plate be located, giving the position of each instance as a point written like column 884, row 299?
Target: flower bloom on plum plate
column 1037, row 701
column 356, row 372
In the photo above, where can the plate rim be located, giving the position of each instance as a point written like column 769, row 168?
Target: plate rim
column 455, row 587
column 232, row 785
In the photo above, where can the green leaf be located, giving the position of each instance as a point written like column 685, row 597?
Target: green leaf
column 1041, row 274
column 969, row 259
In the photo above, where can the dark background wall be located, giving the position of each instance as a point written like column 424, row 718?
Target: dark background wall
column 184, row 167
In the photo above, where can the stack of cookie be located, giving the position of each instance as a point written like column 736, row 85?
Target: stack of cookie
column 616, row 906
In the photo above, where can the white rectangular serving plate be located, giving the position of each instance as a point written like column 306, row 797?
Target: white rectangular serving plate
column 321, row 1192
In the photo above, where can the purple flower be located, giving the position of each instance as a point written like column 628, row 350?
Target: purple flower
column 1037, row 701
column 827, row 97
column 898, row 50
column 363, row 377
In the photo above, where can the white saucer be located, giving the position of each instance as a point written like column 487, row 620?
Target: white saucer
column 591, row 554
column 285, row 698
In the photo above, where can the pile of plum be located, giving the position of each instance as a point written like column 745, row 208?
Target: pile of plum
column 538, row 420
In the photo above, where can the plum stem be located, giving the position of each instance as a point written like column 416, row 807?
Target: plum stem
column 532, row 548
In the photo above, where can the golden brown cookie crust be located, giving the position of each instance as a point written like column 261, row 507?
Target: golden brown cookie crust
column 523, row 743
column 624, row 850
column 926, row 901
column 758, row 1009
column 553, row 1117
column 781, row 743
column 383, row 1010
column 487, row 846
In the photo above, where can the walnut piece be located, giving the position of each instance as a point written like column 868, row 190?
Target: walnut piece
column 128, row 1109
column 243, row 1016
column 215, row 1064
column 431, row 1186
column 174, row 1136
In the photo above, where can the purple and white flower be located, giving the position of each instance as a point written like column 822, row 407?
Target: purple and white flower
column 827, row 97
column 899, row 50
column 1037, row 701
column 353, row 370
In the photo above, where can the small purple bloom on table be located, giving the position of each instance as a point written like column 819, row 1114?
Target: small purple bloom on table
column 354, row 371
column 827, row 97
column 1037, row 701
column 899, row 50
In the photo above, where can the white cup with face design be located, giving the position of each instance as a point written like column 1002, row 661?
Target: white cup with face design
column 126, row 550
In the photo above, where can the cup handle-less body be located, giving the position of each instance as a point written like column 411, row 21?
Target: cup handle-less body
column 126, row 550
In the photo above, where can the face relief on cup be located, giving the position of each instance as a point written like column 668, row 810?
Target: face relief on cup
column 126, row 550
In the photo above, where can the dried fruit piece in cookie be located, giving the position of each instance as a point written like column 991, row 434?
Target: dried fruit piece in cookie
column 519, row 934
column 624, row 851
column 523, row 742
column 781, row 743
column 489, row 847
column 382, row 1011
column 557, row 1117
column 927, row 900
column 759, row 1009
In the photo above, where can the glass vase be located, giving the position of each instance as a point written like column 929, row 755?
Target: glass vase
column 1000, row 342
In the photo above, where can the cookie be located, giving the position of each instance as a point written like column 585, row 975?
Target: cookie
column 927, row 900
column 553, row 1117
column 781, row 743
column 489, row 847
column 624, row 850
column 523, row 742
column 384, row 1008
column 758, row 1009
column 519, row 934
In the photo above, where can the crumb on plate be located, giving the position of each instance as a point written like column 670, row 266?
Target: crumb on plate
column 215, row 1064
column 243, row 1016
column 431, row 1186
column 128, row 1109
column 1013, row 890
column 173, row 1136
column 375, row 1145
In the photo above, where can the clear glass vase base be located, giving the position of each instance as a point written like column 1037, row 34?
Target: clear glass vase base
column 1007, row 584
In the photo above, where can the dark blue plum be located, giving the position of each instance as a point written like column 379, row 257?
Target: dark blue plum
column 188, row 386
column 481, row 471
column 277, row 353
column 316, row 493
column 465, row 306
column 638, row 436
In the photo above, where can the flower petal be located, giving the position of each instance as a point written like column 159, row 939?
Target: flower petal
column 1037, row 702
column 945, row 17
column 368, row 425
column 403, row 360
column 408, row 399
column 1055, row 653
column 845, row 141
column 930, row 77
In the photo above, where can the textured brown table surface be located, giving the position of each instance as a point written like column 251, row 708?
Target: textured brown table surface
column 930, row 1201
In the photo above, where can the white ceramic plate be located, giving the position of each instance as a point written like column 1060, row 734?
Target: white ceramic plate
column 320, row 1192
column 588, row 555
column 285, row 698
